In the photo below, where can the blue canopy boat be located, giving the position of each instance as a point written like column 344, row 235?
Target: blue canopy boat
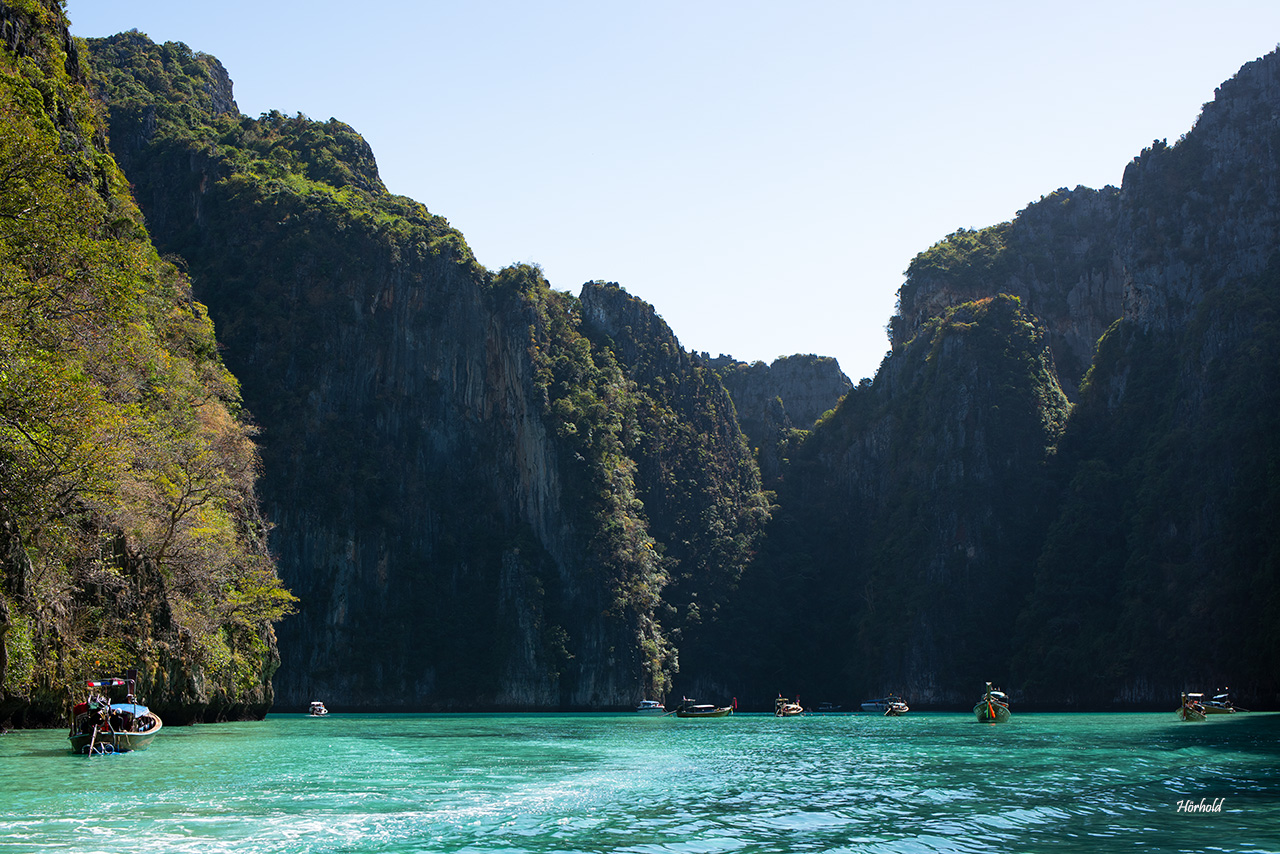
column 101, row 726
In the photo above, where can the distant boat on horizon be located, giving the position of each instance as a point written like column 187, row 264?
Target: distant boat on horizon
column 784, row 708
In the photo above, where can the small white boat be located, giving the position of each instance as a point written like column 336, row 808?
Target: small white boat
column 784, row 708
column 317, row 709
column 896, row 709
column 882, row 705
column 651, row 707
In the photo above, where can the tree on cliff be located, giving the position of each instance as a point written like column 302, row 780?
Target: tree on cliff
column 115, row 412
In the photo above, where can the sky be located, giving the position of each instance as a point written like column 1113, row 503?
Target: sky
column 760, row 173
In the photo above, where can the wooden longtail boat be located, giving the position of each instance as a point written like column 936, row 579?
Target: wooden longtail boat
column 993, row 707
column 100, row 726
column 1221, row 705
column 1191, row 709
column 688, row 709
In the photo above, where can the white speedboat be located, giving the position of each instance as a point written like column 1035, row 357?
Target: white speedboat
column 882, row 705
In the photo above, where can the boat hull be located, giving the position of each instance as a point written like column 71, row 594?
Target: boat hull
column 989, row 711
column 115, row 742
column 698, row 713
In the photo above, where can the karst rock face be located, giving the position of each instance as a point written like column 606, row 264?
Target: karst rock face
column 481, row 489
column 1061, row 256
column 408, row 471
column 1142, row 515
column 490, row 494
column 1204, row 213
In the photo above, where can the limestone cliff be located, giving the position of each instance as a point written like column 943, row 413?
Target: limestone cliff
column 130, row 533
column 1082, row 560
column 1204, row 214
column 1060, row 256
column 491, row 494
column 695, row 475
column 1169, row 459
column 900, row 547
column 772, row 400
column 465, row 470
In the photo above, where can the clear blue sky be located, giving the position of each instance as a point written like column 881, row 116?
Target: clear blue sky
column 761, row 173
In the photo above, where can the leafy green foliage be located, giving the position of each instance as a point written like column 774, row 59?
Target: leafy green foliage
column 695, row 474
column 592, row 406
column 126, row 470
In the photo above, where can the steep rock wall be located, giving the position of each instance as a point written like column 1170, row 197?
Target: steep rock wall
column 1060, row 256
column 415, row 484
column 922, row 489
column 791, row 393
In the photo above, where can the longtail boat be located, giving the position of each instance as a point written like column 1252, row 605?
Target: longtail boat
column 1191, row 709
column 688, row 709
column 993, row 707
column 100, row 726
column 1221, row 704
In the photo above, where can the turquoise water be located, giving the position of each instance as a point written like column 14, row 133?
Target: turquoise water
column 624, row 783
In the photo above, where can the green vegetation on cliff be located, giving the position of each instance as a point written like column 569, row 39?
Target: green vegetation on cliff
column 492, row 494
column 1163, row 561
column 533, row 495
column 131, row 534
column 695, row 474
column 904, row 536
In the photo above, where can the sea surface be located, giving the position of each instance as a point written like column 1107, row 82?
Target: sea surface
column 624, row 783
